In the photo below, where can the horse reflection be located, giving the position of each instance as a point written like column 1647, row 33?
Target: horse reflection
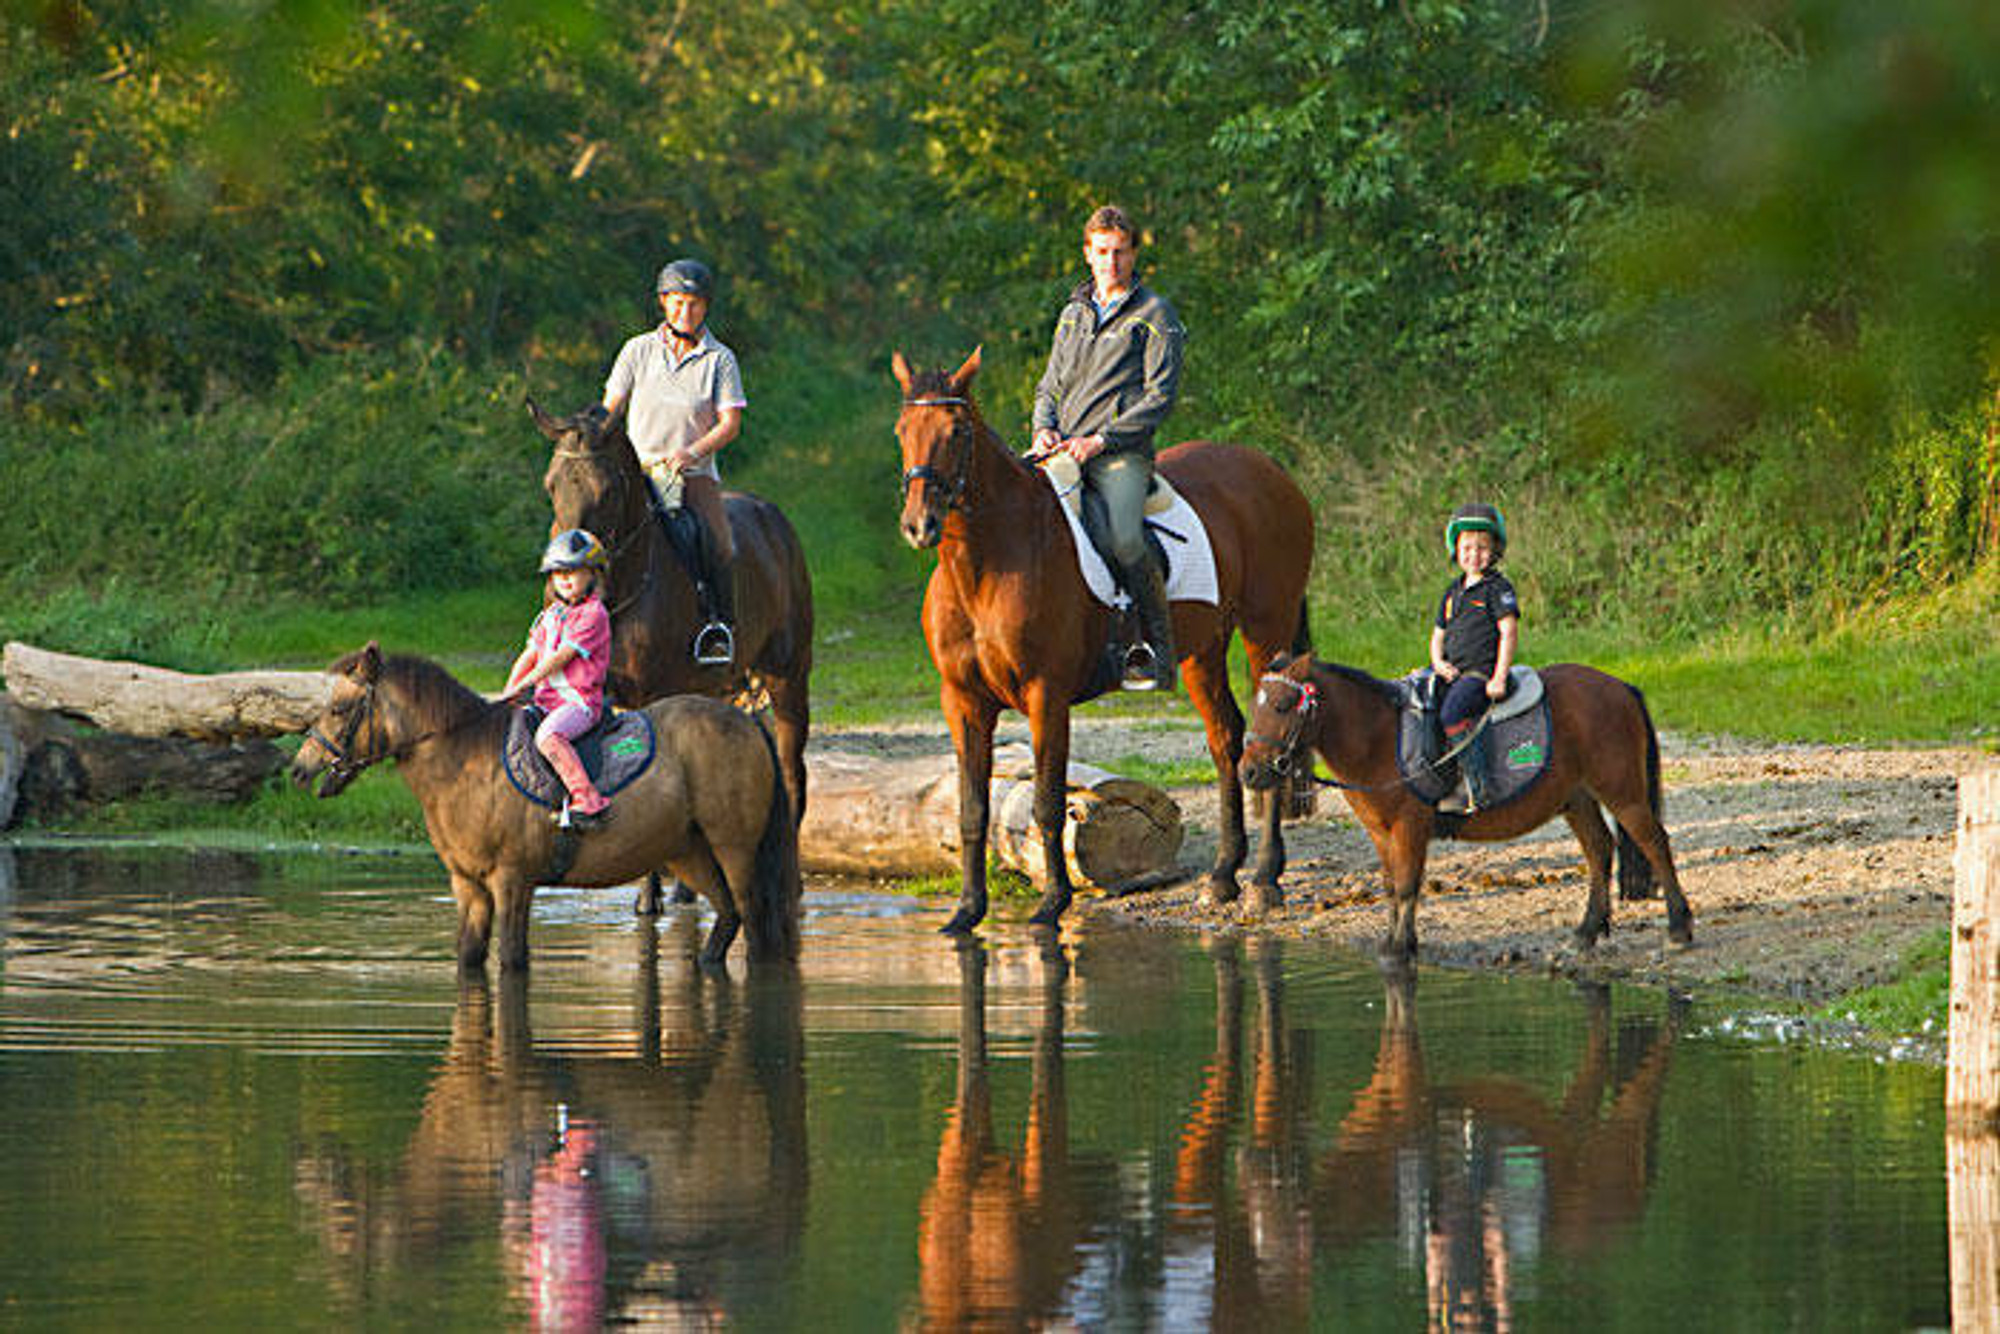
column 997, row 1243
column 665, row 1183
column 1473, row 1177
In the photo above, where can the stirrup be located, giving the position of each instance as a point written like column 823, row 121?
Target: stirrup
column 715, row 644
column 1141, row 669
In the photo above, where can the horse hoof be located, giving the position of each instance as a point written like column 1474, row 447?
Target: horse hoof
column 1219, row 891
column 961, row 924
column 1049, row 914
column 1265, row 896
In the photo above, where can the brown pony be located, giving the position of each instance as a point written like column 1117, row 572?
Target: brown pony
column 711, row 807
column 1602, row 748
column 1011, row 623
column 594, row 483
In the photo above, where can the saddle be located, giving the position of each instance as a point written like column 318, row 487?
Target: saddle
column 614, row 752
column 1516, row 745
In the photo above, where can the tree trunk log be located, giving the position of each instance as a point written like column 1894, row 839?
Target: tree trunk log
column 142, row 701
column 871, row 816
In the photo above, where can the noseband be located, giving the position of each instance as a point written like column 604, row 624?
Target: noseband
column 953, row 487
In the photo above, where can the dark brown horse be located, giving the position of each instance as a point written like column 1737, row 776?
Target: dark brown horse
column 1012, row 624
column 594, row 482
column 711, row 807
column 1602, row 748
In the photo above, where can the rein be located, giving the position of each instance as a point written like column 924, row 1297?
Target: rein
column 346, row 766
column 1289, row 745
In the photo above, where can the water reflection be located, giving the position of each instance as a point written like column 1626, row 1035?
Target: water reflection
column 662, row 1186
column 1474, row 1177
column 998, row 1233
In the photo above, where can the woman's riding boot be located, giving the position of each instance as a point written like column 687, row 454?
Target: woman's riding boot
column 587, row 807
column 715, row 642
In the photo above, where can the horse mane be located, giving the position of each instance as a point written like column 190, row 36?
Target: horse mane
column 437, row 700
column 1354, row 676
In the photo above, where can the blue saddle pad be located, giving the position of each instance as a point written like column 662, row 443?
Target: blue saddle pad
column 614, row 752
column 1516, row 747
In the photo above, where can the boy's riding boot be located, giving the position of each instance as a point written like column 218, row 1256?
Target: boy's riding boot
column 587, row 807
column 715, row 642
column 1148, row 590
column 1473, row 764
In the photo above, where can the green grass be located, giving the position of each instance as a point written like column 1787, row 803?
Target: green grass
column 1919, row 1000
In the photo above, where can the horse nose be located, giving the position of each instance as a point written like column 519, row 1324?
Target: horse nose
column 922, row 531
column 1255, row 773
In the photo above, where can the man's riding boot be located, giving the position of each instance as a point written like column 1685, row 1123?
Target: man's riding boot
column 715, row 643
column 587, row 808
column 1148, row 590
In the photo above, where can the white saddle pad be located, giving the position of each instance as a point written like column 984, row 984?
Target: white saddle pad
column 1190, row 558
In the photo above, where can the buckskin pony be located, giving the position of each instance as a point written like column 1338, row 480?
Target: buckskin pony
column 594, row 482
column 1602, row 748
column 1012, row 624
column 711, row 808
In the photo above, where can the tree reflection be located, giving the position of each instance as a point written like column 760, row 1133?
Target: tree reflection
column 663, row 1185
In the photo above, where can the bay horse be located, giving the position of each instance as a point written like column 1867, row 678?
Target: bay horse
column 1012, row 624
column 594, row 482
column 711, row 807
column 1602, row 748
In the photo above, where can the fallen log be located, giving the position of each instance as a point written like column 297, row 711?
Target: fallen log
column 142, row 701
column 873, row 816
column 59, row 765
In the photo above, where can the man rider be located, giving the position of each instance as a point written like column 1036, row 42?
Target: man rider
column 1114, row 370
column 683, row 396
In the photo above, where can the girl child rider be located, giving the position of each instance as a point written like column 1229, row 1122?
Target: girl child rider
column 568, row 653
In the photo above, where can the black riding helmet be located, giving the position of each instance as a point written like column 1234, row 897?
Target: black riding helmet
column 687, row 275
column 1476, row 518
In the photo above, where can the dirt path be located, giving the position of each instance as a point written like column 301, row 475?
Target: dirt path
column 1811, row 869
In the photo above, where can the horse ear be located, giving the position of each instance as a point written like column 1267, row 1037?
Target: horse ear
column 371, row 661
column 902, row 371
column 962, row 377
column 547, row 425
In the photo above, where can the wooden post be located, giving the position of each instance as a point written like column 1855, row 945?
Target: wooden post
column 1972, row 1084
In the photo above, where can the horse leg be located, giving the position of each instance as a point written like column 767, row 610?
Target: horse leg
column 739, row 872
column 1048, row 723
column 1636, row 818
column 512, row 897
column 698, row 868
column 1402, row 848
column 791, row 719
column 1265, row 891
column 1587, row 822
column 475, row 921
column 971, row 719
column 1207, row 677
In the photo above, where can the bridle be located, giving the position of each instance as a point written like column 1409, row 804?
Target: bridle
column 954, row 487
column 1300, row 713
column 345, row 766
column 617, row 549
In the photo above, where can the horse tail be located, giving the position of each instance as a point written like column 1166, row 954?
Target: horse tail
column 772, row 922
column 1635, row 873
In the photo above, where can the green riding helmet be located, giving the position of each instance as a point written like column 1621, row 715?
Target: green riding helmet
column 1476, row 518
column 687, row 275
column 575, row 549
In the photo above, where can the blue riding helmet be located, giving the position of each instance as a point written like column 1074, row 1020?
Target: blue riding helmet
column 575, row 549
column 1476, row 518
column 687, row 275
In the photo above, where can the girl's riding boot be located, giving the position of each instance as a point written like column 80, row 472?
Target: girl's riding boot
column 587, row 807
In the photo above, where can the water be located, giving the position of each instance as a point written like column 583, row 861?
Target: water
column 244, row 1092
